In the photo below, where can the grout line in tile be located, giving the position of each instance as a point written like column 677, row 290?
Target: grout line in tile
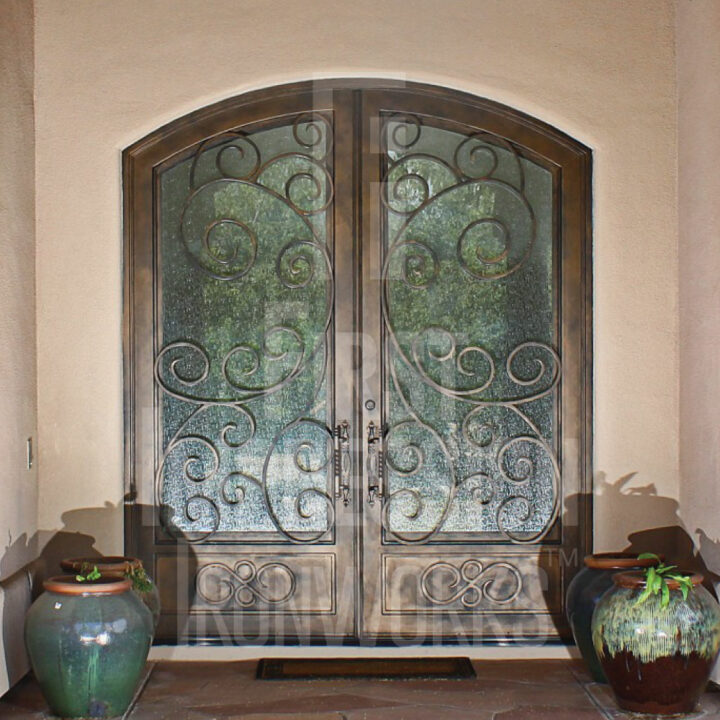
column 605, row 712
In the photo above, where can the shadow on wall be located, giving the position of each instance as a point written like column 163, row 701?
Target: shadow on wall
column 673, row 540
column 643, row 504
column 71, row 540
column 18, row 589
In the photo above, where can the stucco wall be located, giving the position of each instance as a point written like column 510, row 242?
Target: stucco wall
column 18, row 508
column 699, row 252
column 108, row 73
column 17, row 285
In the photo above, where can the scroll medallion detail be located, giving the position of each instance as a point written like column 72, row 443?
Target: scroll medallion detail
column 245, row 584
column 498, row 583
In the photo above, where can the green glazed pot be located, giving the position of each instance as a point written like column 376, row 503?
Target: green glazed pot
column 131, row 567
column 88, row 643
column 584, row 593
column 657, row 659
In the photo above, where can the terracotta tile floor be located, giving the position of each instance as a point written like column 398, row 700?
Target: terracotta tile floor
column 503, row 690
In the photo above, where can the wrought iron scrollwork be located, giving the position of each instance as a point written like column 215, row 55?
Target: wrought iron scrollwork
column 312, row 452
column 314, row 131
column 420, row 264
column 245, row 584
column 494, row 244
column 406, row 448
column 232, row 189
column 473, row 582
column 481, row 377
column 485, row 176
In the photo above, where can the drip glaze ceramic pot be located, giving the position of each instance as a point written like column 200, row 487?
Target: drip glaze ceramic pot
column 88, row 643
column 583, row 594
column 130, row 567
column 656, row 659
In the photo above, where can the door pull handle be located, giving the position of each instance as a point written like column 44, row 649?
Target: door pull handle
column 342, row 462
column 374, row 463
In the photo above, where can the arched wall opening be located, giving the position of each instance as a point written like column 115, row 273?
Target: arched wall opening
column 625, row 113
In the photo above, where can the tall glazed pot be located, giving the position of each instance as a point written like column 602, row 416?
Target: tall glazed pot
column 130, row 567
column 88, row 643
column 584, row 593
column 657, row 659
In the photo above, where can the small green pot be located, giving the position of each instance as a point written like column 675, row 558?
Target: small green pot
column 657, row 659
column 131, row 567
column 88, row 643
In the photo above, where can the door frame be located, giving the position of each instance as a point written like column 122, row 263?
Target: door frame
column 346, row 98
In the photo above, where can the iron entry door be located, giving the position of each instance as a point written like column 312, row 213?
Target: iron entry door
column 355, row 376
column 241, row 383
column 463, row 296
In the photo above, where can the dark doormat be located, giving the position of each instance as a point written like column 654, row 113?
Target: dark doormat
column 454, row 668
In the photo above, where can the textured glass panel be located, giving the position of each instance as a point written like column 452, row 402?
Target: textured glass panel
column 468, row 308
column 245, row 295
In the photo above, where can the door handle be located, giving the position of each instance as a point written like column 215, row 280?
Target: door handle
column 374, row 463
column 342, row 462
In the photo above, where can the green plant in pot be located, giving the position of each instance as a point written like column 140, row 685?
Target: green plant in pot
column 132, row 568
column 88, row 637
column 657, row 635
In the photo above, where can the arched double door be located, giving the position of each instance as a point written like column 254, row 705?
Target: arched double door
column 357, row 367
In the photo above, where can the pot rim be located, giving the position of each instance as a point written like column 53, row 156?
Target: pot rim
column 104, row 563
column 636, row 580
column 106, row 584
column 618, row 561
